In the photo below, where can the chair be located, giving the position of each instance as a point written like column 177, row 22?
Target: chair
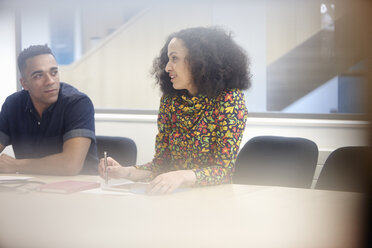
column 122, row 149
column 277, row 161
column 346, row 169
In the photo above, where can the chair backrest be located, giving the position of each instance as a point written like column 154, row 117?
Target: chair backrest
column 346, row 169
column 122, row 149
column 277, row 161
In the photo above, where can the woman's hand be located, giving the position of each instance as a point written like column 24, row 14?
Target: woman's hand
column 168, row 182
column 114, row 169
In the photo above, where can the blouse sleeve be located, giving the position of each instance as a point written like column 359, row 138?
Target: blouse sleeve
column 232, row 115
column 162, row 152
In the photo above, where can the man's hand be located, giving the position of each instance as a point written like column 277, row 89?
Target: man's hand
column 7, row 164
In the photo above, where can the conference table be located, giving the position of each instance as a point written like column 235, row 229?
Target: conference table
column 228, row 215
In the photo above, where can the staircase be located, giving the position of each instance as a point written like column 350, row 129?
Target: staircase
column 330, row 52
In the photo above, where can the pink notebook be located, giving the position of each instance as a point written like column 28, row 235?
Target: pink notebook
column 68, row 186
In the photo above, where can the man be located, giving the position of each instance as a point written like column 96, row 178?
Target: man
column 49, row 124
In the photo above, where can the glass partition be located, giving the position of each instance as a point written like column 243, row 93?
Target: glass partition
column 308, row 58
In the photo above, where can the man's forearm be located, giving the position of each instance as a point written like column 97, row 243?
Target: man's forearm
column 57, row 164
column 67, row 163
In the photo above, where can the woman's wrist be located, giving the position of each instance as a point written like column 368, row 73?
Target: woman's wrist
column 127, row 172
column 189, row 178
column 134, row 174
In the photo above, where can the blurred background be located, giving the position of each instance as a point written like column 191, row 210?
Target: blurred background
column 307, row 57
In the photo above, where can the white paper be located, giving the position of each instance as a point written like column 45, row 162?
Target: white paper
column 12, row 179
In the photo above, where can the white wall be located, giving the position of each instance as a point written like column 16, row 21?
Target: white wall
column 239, row 17
column 8, row 62
column 322, row 100
column 34, row 27
column 122, row 80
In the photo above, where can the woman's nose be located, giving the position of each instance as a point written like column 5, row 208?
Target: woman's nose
column 167, row 67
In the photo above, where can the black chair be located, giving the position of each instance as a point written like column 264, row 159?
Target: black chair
column 346, row 169
column 122, row 149
column 277, row 161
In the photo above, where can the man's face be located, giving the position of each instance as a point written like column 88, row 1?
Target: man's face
column 41, row 79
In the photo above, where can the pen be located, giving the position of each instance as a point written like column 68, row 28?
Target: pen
column 105, row 161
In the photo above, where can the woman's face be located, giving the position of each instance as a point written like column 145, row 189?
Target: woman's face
column 178, row 67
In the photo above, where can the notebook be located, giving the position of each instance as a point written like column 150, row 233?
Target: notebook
column 69, row 186
column 136, row 188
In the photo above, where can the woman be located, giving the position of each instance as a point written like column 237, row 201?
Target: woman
column 202, row 114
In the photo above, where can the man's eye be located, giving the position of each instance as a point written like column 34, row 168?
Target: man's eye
column 54, row 73
column 37, row 76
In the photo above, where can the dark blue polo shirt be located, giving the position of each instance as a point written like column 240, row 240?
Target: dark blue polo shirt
column 31, row 137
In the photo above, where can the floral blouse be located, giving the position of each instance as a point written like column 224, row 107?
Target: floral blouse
column 200, row 134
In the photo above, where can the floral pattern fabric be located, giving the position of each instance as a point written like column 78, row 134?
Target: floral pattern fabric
column 200, row 134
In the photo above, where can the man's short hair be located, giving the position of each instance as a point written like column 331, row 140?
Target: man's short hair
column 30, row 52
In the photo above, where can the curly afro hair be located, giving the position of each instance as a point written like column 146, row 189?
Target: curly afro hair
column 215, row 60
